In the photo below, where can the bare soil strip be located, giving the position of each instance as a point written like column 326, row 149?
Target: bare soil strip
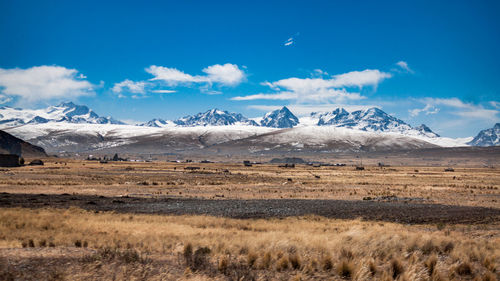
column 401, row 212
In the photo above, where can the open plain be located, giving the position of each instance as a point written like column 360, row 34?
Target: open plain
column 80, row 220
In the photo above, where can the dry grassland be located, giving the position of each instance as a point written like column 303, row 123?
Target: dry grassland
column 74, row 244
column 464, row 186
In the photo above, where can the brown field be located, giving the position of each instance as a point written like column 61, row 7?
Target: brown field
column 81, row 220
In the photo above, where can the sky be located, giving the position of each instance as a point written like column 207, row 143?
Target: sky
column 432, row 62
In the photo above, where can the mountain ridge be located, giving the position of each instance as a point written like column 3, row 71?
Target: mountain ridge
column 369, row 120
column 487, row 137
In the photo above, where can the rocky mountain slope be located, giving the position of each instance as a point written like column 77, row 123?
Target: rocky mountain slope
column 488, row 137
column 280, row 118
column 371, row 120
column 65, row 112
column 12, row 145
column 214, row 117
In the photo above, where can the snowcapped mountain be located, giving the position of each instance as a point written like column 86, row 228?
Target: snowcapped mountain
column 65, row 112
column 214, row 117
column 426, row 131
column 157, row 123
column 371, row 120
column 280, row 118
column 488, row 137
column 76, row 128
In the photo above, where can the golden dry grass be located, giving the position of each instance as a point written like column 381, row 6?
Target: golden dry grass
column 154, row 247
column 465, row 186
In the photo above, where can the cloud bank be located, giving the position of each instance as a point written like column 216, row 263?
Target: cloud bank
column 226, row 75
column 456, row 107
column 40, row 83
column 337, row 88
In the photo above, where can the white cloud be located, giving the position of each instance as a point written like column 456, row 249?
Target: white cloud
column 163, row 91
column 404, row 66
column 44, row 83
column 319, row 89
column 171, row 76
column 480, row 113
column 428, row 109
column 139, row 89
column 458, row 107
column 130, row 86
column 289, row 42
column 225, row 75
column 368, row 77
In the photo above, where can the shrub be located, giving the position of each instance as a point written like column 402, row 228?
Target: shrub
column 448, row 246
column 31, row 243
column 78, row 243
column 430, row 264
column 346, row 254
column 372, row 267
column 294, row 260
column 464, row 269
column 251, row 259
column 266, row 260
column 282, row 264
column 396, row 268
column 129, row 256
column 345, row 268
column 327, row 263
column 42, row 243
column 200, row 258
column 188, row 253
column 428, row 247
column 223, row 264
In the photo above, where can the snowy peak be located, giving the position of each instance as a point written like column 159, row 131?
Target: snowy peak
column 157, row 123
column 331, row 118
column 280, row 118
column 372, row 120
column 426, row 131
column 214, row 117
column 65, row 112
column 488, row 137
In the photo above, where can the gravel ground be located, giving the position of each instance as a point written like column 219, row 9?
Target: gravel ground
column 402, row 212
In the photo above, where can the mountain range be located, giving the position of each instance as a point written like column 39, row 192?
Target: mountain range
column 64, row 112
column 65, row 128
column 488, row 137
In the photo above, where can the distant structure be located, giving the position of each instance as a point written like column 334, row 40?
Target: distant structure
column 36, row 162
column 288, row 160
column 11, row 160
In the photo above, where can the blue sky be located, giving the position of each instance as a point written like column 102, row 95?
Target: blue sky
column 432, row 62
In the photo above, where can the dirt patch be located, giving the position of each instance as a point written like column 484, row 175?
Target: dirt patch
column 402, row 212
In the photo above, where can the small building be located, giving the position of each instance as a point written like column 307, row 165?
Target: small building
column 191, row 168
column 36, row 162
column 11, row 160
column 247, row 163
